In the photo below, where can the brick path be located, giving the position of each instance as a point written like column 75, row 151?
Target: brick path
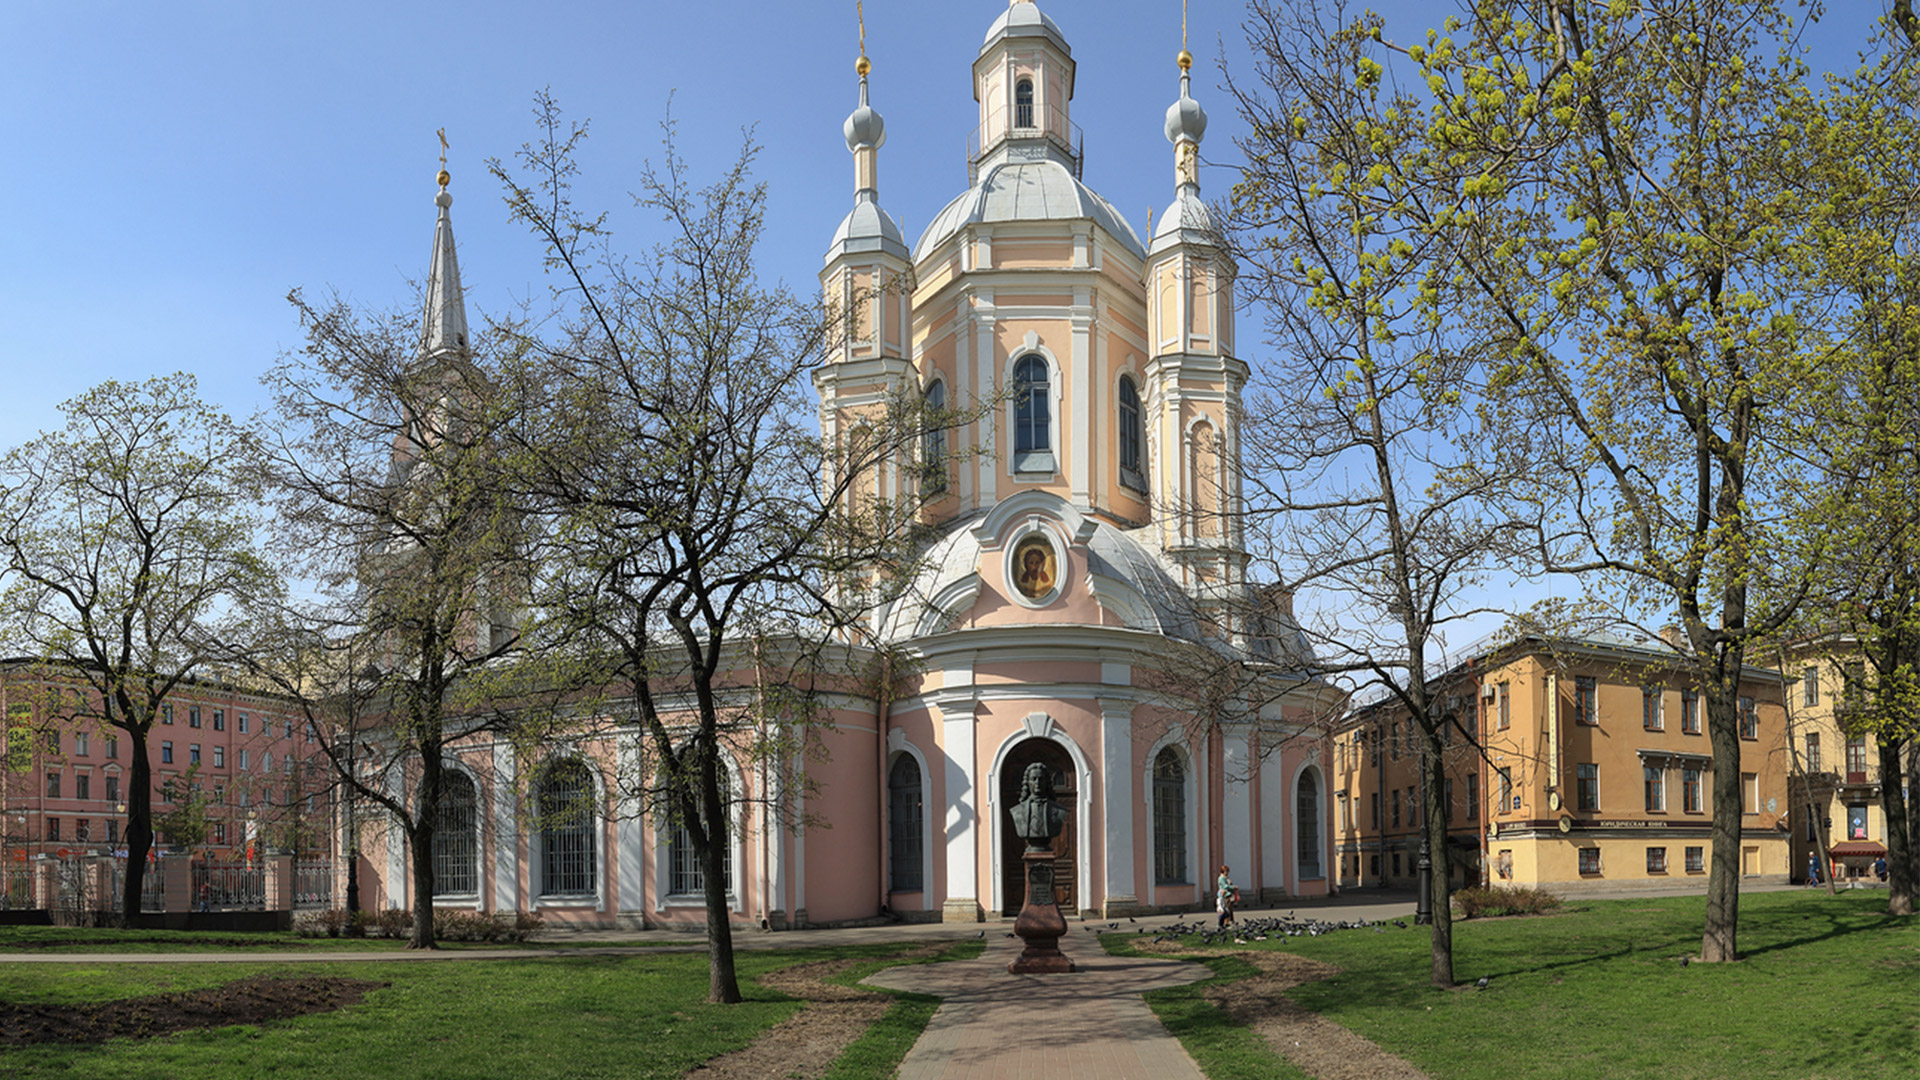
column 1090, row 1025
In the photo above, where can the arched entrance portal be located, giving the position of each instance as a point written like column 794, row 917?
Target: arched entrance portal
column 1066, row 873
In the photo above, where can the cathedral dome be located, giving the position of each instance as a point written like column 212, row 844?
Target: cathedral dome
column 1043, row 190
column 1023, row 20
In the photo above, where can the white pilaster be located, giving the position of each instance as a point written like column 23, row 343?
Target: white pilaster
column 1117, row 808
column 956, row 704
column 1236, row 807
column 630, row 831
column 506, row 832
column 1079, row 449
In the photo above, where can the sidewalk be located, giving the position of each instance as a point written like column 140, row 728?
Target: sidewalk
column 1089, row 1025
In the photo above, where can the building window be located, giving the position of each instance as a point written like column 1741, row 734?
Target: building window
column 1856, row 759
column 82, row 785
column 113, row 746
column 1506, row 706
column 266, row 761
column 193, row 753
column 1307, row 812
column 685, row 877
column 80, row 741
column 1689, row 713
column 933, row 444
column 456, row 840
column 1133, row 471
column 219, row 719
column 166, row 753
column 1503, row 864
column 241, row 761
column 1373, row 866
column 166, row 714
column 1857, row 821
column 219, row 757
column 1393, row 740
column 1651, row 712
column 53, row 828
column 905, row 815
column 1749, row 719
column 1396, row 807
column 1656, row 860
column 1586, row 786
column 1473, row 796
column 1586, row 700
column 113, row 831
column 565, row 809
column 193, row 716
column 219, row 832
column 1396, row 864
column 1373, row 818
column 243, row 723
column 1656, row 778
column 1032, row 416
column 1507, row 799
column 1589, row 860
column 1023, row 103
column 1696, row 859
column 1810, row 686
column 51, row 740
column 308, row 732
column 53, row 785
column 1750, row 793
column 113, row 788
column 1169, row 818
column 1813, row 751
column 1690, row 800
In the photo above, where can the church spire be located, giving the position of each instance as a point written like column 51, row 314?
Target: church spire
column 444, row 328
column 866, row 131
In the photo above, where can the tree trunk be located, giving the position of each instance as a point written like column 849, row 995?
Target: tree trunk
column 139, row 826
column 722, row 985
column 1719, row 939
column 420, row 838
column 1440, row 892
column 1901, row 871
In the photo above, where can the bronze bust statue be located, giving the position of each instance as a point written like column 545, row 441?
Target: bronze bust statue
column 1037, row 819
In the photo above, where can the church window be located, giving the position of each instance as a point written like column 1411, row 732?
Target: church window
column 1132, row 471
column 1032, row 416
column 565, row 809
column 904, row 810
column 684, row 875
column 456, row 862
column 1307, row 815
column 933, row 449
column 1023, row 103
column 1169, row 818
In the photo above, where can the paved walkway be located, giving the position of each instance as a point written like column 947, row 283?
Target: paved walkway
column 1089, row 1025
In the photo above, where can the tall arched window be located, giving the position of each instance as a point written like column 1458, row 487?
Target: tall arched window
column 1023, row 103
column 1133, row 471
column 1169, row 818
column 904, row 850
column 933, row 450
column 684, row 875
column 1307, row 813
column 564, row 805
column 1032, row 416
column 456, row 839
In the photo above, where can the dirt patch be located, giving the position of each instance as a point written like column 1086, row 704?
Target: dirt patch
column 805, row 1045
column 247, row 1001
column 1318, row 1046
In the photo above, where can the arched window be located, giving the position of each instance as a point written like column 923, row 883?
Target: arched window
column 904, row 851
column 684, row 876
column 1307, row 813
column 1169, row 818
column 564, row 805
column 1133, row 472
column 456, row 841
column 1023, row 103
column 933, row 449
column 1032, row 416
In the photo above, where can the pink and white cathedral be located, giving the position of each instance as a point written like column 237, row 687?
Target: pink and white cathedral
column 1089, row 538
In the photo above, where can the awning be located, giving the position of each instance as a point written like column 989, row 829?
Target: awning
column 1857, row 849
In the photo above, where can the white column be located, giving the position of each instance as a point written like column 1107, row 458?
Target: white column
column 399, row 882
column 1079, row 450
column 1275, row 817
column 1117, row 809
column 960, row 815
column 1236, row 807
column 986, row 370
column 775, row 839
column 506, row 832
column 630, row 832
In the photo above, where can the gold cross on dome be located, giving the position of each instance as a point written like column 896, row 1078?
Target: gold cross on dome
column 442, row 132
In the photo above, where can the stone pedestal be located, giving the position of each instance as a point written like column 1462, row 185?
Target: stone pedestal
column 1040, row 923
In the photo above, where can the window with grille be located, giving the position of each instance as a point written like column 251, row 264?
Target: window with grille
column 685, row 876
column 456, row 839
column 1589, row 860
column 565, row 809
column 933, row 448
column 1169, row 818
column 904, row 849
column 1656, row 860
column 1696, row 859
column 1023, row 103
column 1133, row 472
column 1307, row 814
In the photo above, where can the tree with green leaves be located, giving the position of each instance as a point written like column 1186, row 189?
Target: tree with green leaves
column 709, row 557
column 129, row 539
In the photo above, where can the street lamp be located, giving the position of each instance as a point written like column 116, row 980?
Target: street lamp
column 1423, row 904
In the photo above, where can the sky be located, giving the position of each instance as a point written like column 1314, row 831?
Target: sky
column 176, row 169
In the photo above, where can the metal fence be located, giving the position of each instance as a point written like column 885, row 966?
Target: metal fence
column 313, row 883
column 16, row 888
column 229, row 887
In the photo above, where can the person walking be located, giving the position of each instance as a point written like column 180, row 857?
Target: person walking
column 1225, row 896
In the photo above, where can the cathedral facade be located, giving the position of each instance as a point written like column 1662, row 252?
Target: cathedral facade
column 1084, row 604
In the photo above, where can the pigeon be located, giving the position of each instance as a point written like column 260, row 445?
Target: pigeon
column 1685, row 960
column 981, row 935
column 1481, row 983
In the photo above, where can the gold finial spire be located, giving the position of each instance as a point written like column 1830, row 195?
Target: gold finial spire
column 862, row 65
column 444, row 175
column 1185, row 59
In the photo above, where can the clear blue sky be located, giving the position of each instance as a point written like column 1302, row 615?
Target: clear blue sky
column 174, row 169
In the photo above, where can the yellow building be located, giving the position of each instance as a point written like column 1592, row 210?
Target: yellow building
column 1836, row 781
column 1571, row 763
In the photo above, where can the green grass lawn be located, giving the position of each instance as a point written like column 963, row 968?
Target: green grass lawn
column 638, row 1016
column 1828, row 987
